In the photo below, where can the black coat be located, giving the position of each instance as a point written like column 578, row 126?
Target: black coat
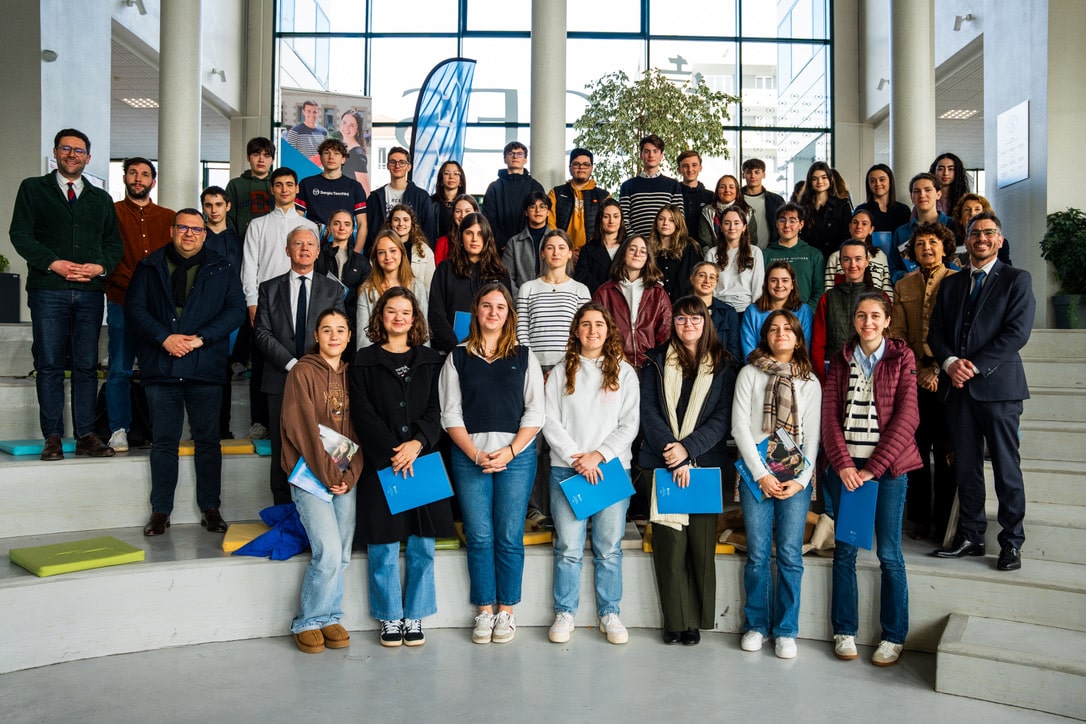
column 593, row 266
column 388, row 410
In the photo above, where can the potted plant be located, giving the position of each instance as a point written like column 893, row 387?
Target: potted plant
column 1064, row 246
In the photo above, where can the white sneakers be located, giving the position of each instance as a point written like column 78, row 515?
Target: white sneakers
column 561, row 629
column 616, row 632
column 505, row 627
column 886, row 654
column 119, row 440
column 752, row 641
column 844, row 647
column 785, row 648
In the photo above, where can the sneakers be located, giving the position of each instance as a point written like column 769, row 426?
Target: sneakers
column 257, row 432
column 391, row 633
column 886, row 654
column 752, row 641
column 616, row 632
column 785, row 648
column 505, row 627
column 412, row 632
column 844, row 647
column 483, row 632
column 119, row 440
column 562, row 628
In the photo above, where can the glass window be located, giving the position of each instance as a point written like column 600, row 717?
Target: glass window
column 613, row 16
column 501, row 91
column 507, row 15
column 625, row 55
column 714, row 61
column 307, row 16
column 693, row 17
column 787, row 156
column 785, row 19
column 407, row 62
column 412, row 16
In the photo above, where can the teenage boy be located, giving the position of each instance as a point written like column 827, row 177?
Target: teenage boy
column 575, row 205
column 807, row 261
column 642, row 196
column 222, row 240
column 503, row 204
column 764, row 202
column 399, row 190
column 521, row 255
column 924, row 191
column 695, row 196
column 322, row 195
column 249, row 195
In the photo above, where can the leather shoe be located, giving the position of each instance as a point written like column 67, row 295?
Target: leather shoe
column 53, row 449
column 959, row 548
column 691, row 637
column 672, row 637
column 1009, row 559
column 212, row 520
column 90, row 445
column 157, row 525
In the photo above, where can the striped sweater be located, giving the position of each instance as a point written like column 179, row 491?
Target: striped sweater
column 544, row 313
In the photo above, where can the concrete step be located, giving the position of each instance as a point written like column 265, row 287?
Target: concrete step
column 1013, row 663
column 1053, row 532
column 1048, row 481
column 1055, row 404
column 1058, row 372
column 1053, row 440
column 1056, row 344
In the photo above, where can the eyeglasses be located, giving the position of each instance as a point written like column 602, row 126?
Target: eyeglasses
column 396, row 163
column 194, row 230
column 580, row 165
column 517, row 154
column 695, row 320
column 787, row 221
column 72, row 149
column 637, row 251
column 986, row 233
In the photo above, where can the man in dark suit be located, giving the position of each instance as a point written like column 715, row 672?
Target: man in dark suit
column 980, row 322
column 287, row 304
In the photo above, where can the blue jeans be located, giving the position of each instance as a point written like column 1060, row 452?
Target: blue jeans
column 122, row 352
column 63, row 320
column 766, row 613
column 168, row 403
column 894, row 604
column 388, row 602
column 493, row 507
column 608, row 527
column 330, row 527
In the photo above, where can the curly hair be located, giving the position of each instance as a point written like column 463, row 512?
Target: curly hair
column 940, row 232
column 376, row 331
column 611, row 357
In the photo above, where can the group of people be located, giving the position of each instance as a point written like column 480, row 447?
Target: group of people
column 412, row 323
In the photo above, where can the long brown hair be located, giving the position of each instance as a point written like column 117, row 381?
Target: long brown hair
column 744, row 259
column 439, row 184
column 376, row 331
column 764, row 303
column 507, row 342
column 679, row 239
column 611, row 356
column 454, row 230
column 650, row 273
column 801, row 360
column 404, row 276
column 709, row 347
column 597, row 233
column 490, row 264
column 418, row 239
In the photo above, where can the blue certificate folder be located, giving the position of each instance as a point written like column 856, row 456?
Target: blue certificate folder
column 856, row 515
column 703, row 495
column 430, row 483
column 461, row 325
column 587, row 499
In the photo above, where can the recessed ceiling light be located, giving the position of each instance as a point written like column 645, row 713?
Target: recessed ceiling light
column 958, row 115
column 141, row 102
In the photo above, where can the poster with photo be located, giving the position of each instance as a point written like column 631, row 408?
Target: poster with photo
column 309, row 117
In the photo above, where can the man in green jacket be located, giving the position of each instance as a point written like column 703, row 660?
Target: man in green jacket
column 66, row 229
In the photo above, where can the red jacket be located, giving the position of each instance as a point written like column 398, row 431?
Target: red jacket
column 895, row 403
column 653, row 319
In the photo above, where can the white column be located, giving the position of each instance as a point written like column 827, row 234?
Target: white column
column 547, row 160
column 912, row 88
column 179, row 86
column 255, row 118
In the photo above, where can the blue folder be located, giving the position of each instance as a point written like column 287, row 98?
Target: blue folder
column 302, row 477
column 587, row 499
column 703, row 495
column 855, row 522
column 430, row 483
column 462, row 325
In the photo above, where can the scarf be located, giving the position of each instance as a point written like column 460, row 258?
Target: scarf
column 179, row 278
column 673, row 385
column 778, row 409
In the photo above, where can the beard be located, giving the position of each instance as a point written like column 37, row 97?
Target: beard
column 138, row 195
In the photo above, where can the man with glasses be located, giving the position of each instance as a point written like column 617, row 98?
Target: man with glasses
column 575, row 205
column 644, row 195
column 981, row 320
column 183, row 303
column 503, row 204
column 145, row 227
column 67, row 231
column 807, row 261
column 399, row 190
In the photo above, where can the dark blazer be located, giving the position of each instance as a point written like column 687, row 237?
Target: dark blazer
column 274, row 324
column 593, row 266
column 414, row 197
column 388, row 410
column 1002, row 323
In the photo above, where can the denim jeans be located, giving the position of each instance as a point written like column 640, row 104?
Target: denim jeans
column 388, row 601
column 894, row 604
column 64, row 319
column 168, row 403
column 493, row 507
column 330, row 527
column 122, row 352
column 608, row 527
column 772, row 607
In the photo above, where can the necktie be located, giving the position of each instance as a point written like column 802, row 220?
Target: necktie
column 299, row 321
column 71, row 194
column 978, row 284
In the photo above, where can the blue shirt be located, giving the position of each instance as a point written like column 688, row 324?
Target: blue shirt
column 867, row 363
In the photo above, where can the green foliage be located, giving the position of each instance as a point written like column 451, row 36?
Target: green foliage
column 621, row 112
column 1064, row 245
column 3, row 263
